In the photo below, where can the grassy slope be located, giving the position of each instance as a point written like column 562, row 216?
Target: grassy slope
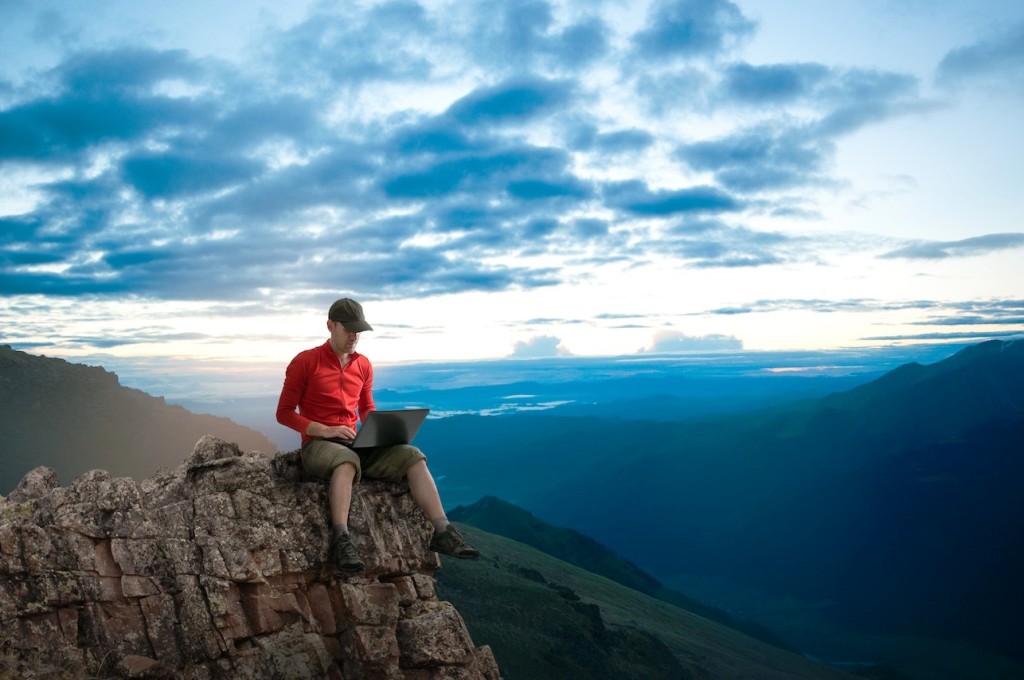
column 545, row 618
column 505, row 519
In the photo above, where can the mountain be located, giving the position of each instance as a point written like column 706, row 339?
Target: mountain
column 897, row 501
column 892, row 508
column 498, row 517
column 545, row 618
column 76, row 418
column 916, row 403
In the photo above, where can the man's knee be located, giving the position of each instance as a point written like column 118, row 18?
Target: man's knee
column 320, row 458
column 392, row 463
column 345, row 469
column 417, row 469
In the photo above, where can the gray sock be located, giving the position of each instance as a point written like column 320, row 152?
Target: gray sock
column 440, row 524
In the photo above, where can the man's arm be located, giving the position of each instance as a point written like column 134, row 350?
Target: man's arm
column 291, row 393
column 366, row 392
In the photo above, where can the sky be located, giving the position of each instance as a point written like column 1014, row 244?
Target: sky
column 195, row 182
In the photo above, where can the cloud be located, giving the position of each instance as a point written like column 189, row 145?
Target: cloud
column 690, row 28
column 998, row 58
column 636, row 197
column 538, row 347
column 974, row 321
column 514, row 101
column 523, row 35
column 1008, row 312
column 761, row 158
column 345, row 45
column 782, row 151
column 968, row 247
column 167, row 175
column 758, row 85
column 824, row 306
column 91, row 107
column 977, row 313
column 710, row 243
column 403, row 150
column 588, row 228
column 971, row 335
column 669, row 341
column 484, row 165
column 664, row 93
column 589, row 138
column 129, row 70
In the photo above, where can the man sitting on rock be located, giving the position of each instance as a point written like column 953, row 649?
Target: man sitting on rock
column 328, row 389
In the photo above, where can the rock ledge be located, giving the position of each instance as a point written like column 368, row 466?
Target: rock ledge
column 217, row 570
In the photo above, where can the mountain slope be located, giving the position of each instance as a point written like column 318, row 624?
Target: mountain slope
column 898, row 500
column 913, row 402
column 545, row 618
column 498, row 517
column 76, row 418
column 894, row 507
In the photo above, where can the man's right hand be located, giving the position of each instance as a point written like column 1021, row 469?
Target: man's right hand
column 331, row 431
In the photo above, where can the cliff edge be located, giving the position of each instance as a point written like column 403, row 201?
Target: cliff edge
column 218, row 569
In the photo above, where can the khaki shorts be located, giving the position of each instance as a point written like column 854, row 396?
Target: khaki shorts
column 390, row 463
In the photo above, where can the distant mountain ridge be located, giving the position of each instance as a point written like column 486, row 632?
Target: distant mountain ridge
column 976, row 385
column 76, row 418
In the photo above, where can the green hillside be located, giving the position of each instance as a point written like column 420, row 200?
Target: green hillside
column 505, row 519
column 545, row 618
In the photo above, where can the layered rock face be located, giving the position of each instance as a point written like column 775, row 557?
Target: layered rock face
column 218, row 570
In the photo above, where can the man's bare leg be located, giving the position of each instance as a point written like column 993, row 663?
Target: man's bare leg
column 339, row 493
column 447, row 538
column 424, row 492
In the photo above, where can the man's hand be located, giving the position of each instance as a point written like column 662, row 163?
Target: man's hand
column 331, row 431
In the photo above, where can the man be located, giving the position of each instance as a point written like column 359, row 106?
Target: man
column 331, row 386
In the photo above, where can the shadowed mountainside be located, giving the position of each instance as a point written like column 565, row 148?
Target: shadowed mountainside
column 546, row 618
column 898, row 500
column 498, row 517
column 75, row 418
column 895, row 503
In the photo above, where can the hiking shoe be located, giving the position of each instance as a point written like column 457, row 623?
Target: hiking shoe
column 451, row 542
column 343, row 554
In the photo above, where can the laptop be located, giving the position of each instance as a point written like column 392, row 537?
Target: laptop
column 388, row 428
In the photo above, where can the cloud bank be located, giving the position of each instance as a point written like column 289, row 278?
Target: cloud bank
column 409, row 149
column 406, row 150
column 669, row 341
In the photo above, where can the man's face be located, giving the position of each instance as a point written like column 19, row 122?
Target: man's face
column 343, row 341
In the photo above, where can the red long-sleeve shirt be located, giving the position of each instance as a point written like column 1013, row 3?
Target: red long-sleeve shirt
column 322, row 391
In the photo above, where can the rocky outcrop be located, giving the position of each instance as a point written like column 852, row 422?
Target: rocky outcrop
column 218, row 570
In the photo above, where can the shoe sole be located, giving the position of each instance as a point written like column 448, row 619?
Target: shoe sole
column 351, row 568
column 460, row 556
